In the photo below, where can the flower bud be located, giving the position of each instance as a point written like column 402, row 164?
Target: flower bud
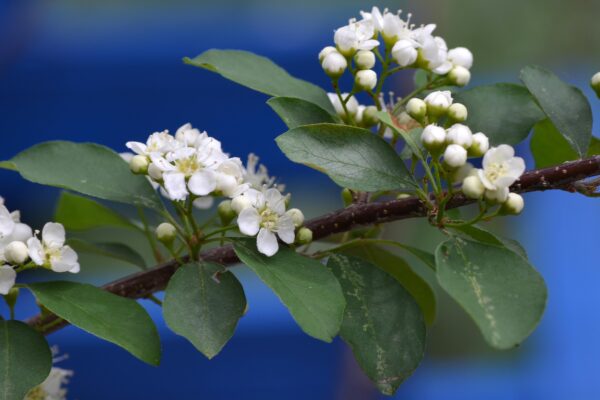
column 166, row 233
column 416, row 108
column 433, row 138
column 139, row 164
column 455, row 156
column 16, row 253
column 325, row 52
column 461, row 135
column 154, row 172
column 513, row 205
column 404, row 52
column 334, row 65
column 459, row 174
column 297, row 216
column 365, row 79
column 496, row 196
column 347, row 197
column 304, row 236
column 595, row 82
column 461, row 56
column 472, row 187
column 364, row 59
column 239, row 203
column 226, row 212
column 458, row 112
column 438, row 103
column 459, row 76
column 480, row 145
column 369, row 116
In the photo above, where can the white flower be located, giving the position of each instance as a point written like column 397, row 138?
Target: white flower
column 157, row 143
column 459, row 76
column 52, row 388
column 51, row 251
column 334, row 64
column 203, row 202
column 496, row 196
column 433, row 49
column 357, row 35
column 440, row 100
column 460, row 134
column 351, row 104
column 188, row 136
column 472, row 187
column 500, row 167
column 366, row 79
column 433, row 137
column 405, row 52
column 455, row 156
column 461, row 56
column 20, row 233
column 16, row 253
column 7, row 223
column 8, row 277
column 257, row 175
column 268, row 218
column 480, row 145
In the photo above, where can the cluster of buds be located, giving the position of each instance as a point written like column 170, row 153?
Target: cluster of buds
column 357, row 44
column 191, row 166
column 349, row 110
column 20, row 248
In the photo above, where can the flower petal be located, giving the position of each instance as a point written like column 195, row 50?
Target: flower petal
column 8, row 277
column 202, row 182
column 53, row 235
column 275, row 201
column 175, row 185
column 286, row 229
column 36, row 251
column 204, row 203
column 7, row 224
column 66, row 262
column 249, row 221
column 137, row 147
column 266, row 242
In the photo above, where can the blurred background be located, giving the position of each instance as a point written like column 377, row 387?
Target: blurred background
column 110, row 71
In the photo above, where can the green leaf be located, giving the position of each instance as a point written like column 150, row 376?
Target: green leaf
column 485, row 236
column 296, row 112
column 498, row 288
column 25, row 359
column 118, row 251
column 399, row 269
column 565, row 105
column 550, row 148
column 382, row 324
column 203, row 309
column 116, row 319
column 352, row 157
column 86, row 168
column 505, row 112
column 261, row 74
column 308, row 289
column 80, row 213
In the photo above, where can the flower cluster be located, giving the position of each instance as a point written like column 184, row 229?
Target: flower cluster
column 192, row 166
column 53, row 388
column 456, row 143
column 20, row 248
column 409, row 46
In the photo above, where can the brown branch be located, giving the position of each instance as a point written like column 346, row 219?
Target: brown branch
column 145, row 283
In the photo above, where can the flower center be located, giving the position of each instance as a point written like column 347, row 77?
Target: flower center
column 495, row 171
column 188, row 166
column 269, row 219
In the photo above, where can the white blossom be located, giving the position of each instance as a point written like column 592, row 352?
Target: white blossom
column 357, row 35
column 51, row 251
column 7, row 223
column 157, row 143
column 334, row 64
column 267, row 219
column 460, row 134
column 8, row 277
column 391, row 26
column 53, row 387
column 16, row 253
column 455, row 156
column 500, row 167
column 461, row 56
column 433, row 49
column 257, row 175
column 405, row 52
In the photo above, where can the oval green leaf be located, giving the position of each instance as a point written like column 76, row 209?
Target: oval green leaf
column 306, row 287
column 261, row 74
column 25, row 359
column 203, row 303
column 353, row 157
column 81, row 213
column 382, row 324
column 86, row 168
column 566, row 106
column 505, row 112
column 498, row 288
column 296, row 112
column 116, row 319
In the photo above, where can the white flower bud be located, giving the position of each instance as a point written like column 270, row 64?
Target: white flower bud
column 226, row 212
column 325, row 52
column 455, row 156
column 166, row 233
column 457, row 112
column 16, row 253
column 459, row 76
column 239, row 203
column 334, row 64
column 496, row 196
column 438, row 102
column 155, row 172
column 461, row 135
column 461, row 56
column 366, row 79
column 404, row 52
column 480, row 145
column 297, row 216
column 369, row 116
column 433, row 138
column 416, row 108
column 364, row 59
column 514, row 204
column 472, row 187
column 139, row 164
column 595, row 82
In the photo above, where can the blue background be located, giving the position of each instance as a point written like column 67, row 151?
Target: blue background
column 111, row 71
